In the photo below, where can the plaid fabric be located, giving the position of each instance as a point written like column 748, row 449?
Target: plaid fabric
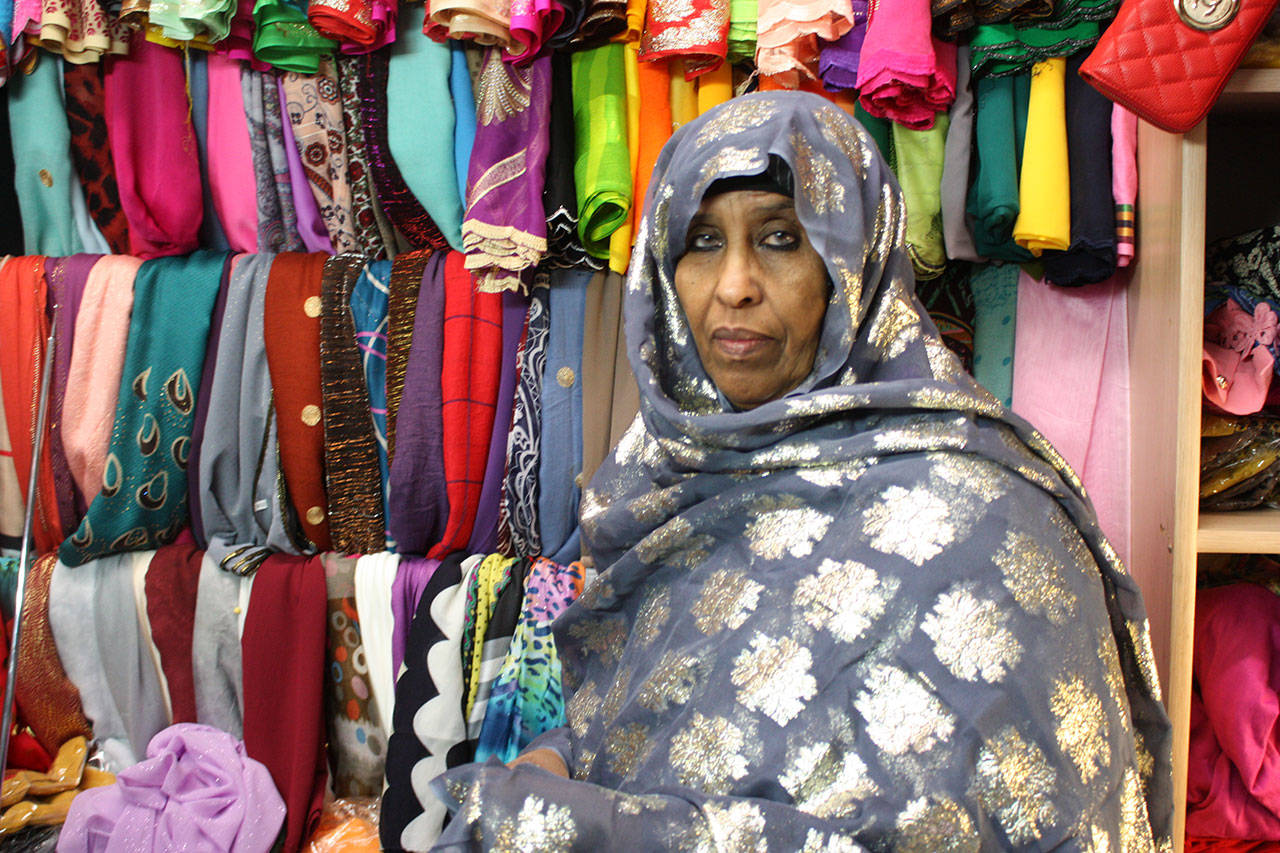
column 469, row 381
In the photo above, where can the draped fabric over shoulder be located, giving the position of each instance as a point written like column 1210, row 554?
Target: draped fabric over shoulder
column 876, row 612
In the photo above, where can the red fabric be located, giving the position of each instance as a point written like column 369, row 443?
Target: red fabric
column 283, row 657
column 24, row 329
column 1229, row 845
column 1233, row 765
column 291, row 326
column 153, row 149
column 469, row 383
column 697, row 31
column 172, row 581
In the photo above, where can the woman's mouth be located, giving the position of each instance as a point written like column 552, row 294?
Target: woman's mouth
column 739, row 343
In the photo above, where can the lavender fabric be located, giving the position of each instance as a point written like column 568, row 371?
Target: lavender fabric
column 419, row 505
column 197, row 790
column 406, row 591
column 66, row 279
column 311, row 228
column 484, row 536
column 838, row 60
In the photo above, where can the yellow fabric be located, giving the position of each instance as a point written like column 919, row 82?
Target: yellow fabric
column 715, row 87
column 636, row 10
column 620, row 241
column 1044, row 191
column 684, row 96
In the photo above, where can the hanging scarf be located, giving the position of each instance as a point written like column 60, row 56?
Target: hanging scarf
column 952, row 18
column 277, row 220
column 283, row 37
column 905, row 74
column 559, row 193
column 728, row 687
column 230, row 166
column 532, row 23
column 143, row 502
column 505, row 231
column 91, row 151
column 358, row 25
column 1044, row 188
column 838, row 61
column 187, row 20
column 485, row 22
column 919, row 155
column 697, row 30
column 560, row 421
column 524, row 447
column 1011, row 48
column 369, row 314
column 66, row 279
column 195, row 488
column 788, row 34
column 602, row 168
column 43, row 176
column 402, row 300
column 363, row 220
column 993, row 195
column 602, row 21
column 311, row 227
column 171, row 588
column 411, row 579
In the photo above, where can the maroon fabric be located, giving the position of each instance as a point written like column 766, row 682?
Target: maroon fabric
column 171, row 584
column 283, row 658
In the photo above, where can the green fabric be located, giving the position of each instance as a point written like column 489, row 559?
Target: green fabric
column 143, row 503
column 879, row 128
column 993, row 194
column 602, row 161
column 284, row 38
column 191, row 18
column 1006, row 48
column 420, row 122
column 743, row 15
column 44, row 177
column 995, row 310
column 919, row 155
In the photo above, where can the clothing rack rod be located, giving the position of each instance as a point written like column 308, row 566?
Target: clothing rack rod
column 20, row 590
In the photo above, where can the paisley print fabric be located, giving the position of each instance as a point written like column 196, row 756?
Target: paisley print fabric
column 874, row 613
column 524, row 447
column 277, row 217
column 143, row 502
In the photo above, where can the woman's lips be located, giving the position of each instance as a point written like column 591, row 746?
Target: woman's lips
column 739, row 343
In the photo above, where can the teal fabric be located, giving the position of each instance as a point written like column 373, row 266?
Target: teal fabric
column 44, row 177
column 143, row 503
column 420, row 122
column 997, row 149
column 464, row 106
column 995, row 310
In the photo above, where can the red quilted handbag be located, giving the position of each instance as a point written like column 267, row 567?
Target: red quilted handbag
column 1167, row 60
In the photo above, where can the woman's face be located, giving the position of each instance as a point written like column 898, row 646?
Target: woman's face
column 755, row 293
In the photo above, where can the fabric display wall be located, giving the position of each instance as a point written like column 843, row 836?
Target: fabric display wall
column 336, row 299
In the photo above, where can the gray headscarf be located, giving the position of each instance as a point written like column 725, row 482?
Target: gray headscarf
column 876, row 612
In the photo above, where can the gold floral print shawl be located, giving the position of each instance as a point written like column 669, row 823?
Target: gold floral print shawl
column 876, row 613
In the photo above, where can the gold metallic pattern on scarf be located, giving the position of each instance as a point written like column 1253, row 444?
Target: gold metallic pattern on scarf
column 773, row 677
column 612, row 704
column 652, row 615
column 784, row 525
column 736, row 827
column 504, row 90
column 655, row 506
column 729, row 160
column 1034, row 576
column 726, row 599
column 628, row 747
column 971, row 636
column 850, row 282
column 814, row 842
column 852, row 143
column 1081, row 728
column 496, row 176
column 843, row 598
column 901, row 712
column 920, row 436
column 1015, row 782
column 936, row 825
column 708, row 753
column 971, row 478
column 739, row 117
column 913, row 523
column 540, row 827
column 827, row 780
column 604, row 636
column 896, row 323
column 1135, row 822
column 673, row 680
column 817, row 176
column 582, row 708
column 701, row 27
column 955, row 399
column 1140, row 636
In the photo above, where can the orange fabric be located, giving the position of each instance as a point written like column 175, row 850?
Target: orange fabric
column 24, row 329
column 843, row 99
column 715, row 87
column 655, row 128
column 291, row 326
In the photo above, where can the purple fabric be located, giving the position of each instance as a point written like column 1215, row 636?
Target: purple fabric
column 311, row 228
column 484, row 536
column 419, row 504
column 202, row 404
column 66, row 279
column 406, row 591
column 838, row 60
column 197, row 790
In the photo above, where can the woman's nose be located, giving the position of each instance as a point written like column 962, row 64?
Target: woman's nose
column 738, row 285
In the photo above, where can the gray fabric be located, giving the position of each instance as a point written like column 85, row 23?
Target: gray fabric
column 215, row 649
column 956, row 234
column 241, row 500
column 875, row 613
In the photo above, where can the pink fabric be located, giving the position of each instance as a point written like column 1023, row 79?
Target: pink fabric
column 1124, row 172
column 1237, row 364
column 97, row 360
column 26, row 19
column 1071, row 381
column 904, row 73
column 1233, row 764
column 197, row 790
column 231, row 180
column 532, row 23
column 787, row 34
column 153, row 148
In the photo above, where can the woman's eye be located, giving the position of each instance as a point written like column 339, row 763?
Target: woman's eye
column 701, row 242
column 781, row 239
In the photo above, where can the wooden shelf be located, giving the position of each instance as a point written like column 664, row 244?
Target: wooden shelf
column 1251, row 88
column 1254, row 531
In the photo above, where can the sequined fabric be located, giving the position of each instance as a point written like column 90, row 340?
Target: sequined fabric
column 874, row 613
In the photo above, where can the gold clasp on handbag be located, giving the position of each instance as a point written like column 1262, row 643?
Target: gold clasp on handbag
column 1207, row 15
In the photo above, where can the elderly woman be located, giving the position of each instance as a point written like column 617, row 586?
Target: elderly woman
column 847, row 600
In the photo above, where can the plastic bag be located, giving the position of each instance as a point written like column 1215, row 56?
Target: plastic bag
column 1238, row 462
column 347, row 826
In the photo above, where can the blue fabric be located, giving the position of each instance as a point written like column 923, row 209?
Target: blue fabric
column 43, row 174
column 562, row 418
column 464, row 129
column 369, row 310
column 995, row 309
column 211, row 233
